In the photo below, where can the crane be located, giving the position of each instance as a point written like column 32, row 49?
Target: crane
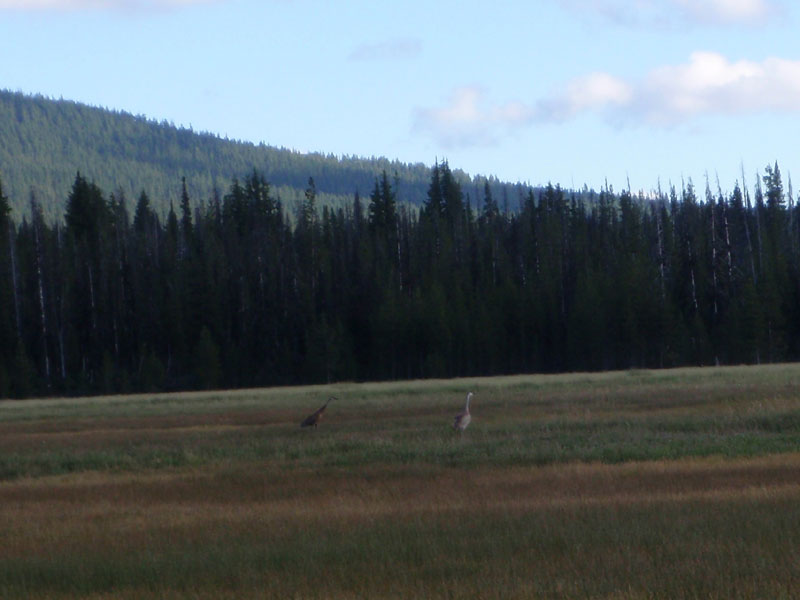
column 463, row 418
column 313, row 418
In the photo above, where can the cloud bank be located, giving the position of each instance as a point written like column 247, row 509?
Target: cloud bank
column 708, row 84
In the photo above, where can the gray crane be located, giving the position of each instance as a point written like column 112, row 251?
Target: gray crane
column 463, row 418
column 313, row 418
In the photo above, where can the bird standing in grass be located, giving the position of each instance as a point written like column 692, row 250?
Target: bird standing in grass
column 314, row 418
column 463, row 418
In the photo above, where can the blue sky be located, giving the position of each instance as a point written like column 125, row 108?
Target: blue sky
column 569, row 91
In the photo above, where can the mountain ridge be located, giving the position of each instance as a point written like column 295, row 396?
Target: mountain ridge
column 44, row 142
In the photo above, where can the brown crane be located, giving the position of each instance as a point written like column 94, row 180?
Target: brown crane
column 313, row 418
column 463, row 418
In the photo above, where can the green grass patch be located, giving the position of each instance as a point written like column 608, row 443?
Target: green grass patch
column 509, row 428
column 639, row 484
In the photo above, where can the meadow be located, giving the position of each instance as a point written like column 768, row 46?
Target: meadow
column 642, row 484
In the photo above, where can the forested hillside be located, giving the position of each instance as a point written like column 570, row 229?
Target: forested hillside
column 235, row 294
column 45, row 142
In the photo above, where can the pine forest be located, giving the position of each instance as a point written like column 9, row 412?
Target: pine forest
column 236, row 290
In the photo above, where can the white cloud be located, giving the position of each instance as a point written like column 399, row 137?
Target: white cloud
column 708, row 84
column 586, row 93
column 468, row 119
column 678, row 12
column 74, row 5
column 390, row 50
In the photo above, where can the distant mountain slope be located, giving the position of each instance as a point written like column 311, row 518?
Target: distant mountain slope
column 45, row 142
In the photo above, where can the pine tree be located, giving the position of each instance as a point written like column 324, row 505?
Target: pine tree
column 308, row 210
column 88, row 229
column 173, row 230
column 87, row 213
column 452, row 196
column 775, row 198
column 8, row 333
column 490, row 208
column 383, row 206
column 433, row 209
column 186, row 216
column 5, row 211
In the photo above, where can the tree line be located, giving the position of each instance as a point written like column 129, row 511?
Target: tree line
column 236, row 290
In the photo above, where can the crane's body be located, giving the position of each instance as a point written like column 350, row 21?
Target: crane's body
column 313, row 419
column 463, row 418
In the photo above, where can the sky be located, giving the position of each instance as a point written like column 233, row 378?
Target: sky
column 645, row 93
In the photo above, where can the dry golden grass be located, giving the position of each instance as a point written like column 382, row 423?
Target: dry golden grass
column 240, row 493
column 222, row 496
column 539, row 531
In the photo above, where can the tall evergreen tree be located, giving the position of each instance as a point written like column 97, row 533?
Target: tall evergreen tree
column 186, row 215
column 383, row 206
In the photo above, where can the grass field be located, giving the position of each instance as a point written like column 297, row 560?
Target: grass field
column 642, row 484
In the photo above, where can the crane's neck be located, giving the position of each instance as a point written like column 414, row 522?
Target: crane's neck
column 469, row 397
